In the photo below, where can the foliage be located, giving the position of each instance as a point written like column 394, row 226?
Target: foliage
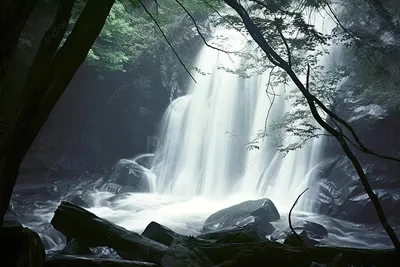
column 291, row 28
column 370, row 52
column 130, row 35
column 362, row 63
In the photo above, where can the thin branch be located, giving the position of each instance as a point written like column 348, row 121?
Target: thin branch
column 290, row 217
column 157, row 6
column 222, row 17
column 271, row 102
column 289, row 148
column 352, row 35
column 350, row 128
column 198, row 30
column 308, row 78
column 262, row 4
column 166, row 39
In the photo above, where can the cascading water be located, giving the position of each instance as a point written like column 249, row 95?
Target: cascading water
column 205, row 135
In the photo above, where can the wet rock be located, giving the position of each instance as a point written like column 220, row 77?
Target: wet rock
column 11, row 208
column 20, row 246
column 74, row 247
column 84, row 200
column 161, row 234
column 252, row 232
column 359, row 208
column 118, row 197
column 180, row 254
column 130, row 174
column 118, row 189
column 263, row 226
column 311, row 230
column 235, row 235
column 341, row 194
column 293, row 240
column 89, row 229
column 345, row 198
column 77, row 261
column 242, row 214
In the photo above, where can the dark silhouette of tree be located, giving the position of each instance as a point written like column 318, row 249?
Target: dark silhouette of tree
column 13, row 16
column 49, row 75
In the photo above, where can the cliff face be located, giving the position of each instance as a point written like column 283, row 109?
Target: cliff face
column 341, row 192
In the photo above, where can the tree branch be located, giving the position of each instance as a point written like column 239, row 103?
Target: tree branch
column 198, row 30
column 259, row 38
column 166, row 39
column 290, row 217
column 222, row 17
column 289, row 54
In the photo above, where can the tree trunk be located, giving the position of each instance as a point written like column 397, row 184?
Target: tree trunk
column 13, row 16
column 44, row 93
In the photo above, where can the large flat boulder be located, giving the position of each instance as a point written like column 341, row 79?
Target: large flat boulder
column 78, row 261
column 241, row 214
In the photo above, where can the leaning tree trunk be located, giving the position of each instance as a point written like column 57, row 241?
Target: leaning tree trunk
column 13, row 16
column 48, row 83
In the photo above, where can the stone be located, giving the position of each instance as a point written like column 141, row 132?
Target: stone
column 161, row 233
column 242, row 214
column 20, row 246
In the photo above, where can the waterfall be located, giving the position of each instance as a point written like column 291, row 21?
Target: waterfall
column 203, row 146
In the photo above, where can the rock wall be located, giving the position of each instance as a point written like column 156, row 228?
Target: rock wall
column 341, row 193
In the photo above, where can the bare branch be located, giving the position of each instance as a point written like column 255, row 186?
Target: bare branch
column 352, row 35
column 166, row 39
column 290, row 217
column 308, row 78
column 271, row 101
column 222, row 17
column 157, row 6
column 198, row 30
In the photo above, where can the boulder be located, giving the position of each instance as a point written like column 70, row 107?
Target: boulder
column 20, row 246
column 181, row 254
column 93, row 231
column 74, row 247
column 341, row 194
column 310, row 230
column 84, row 200
column 242, row 214
column 118, row 189
column 252, row 232
column 78, row 261
column 293, row 240
column 130, row 174
column 314, row 230
column 360, row 209
column 161, row 234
